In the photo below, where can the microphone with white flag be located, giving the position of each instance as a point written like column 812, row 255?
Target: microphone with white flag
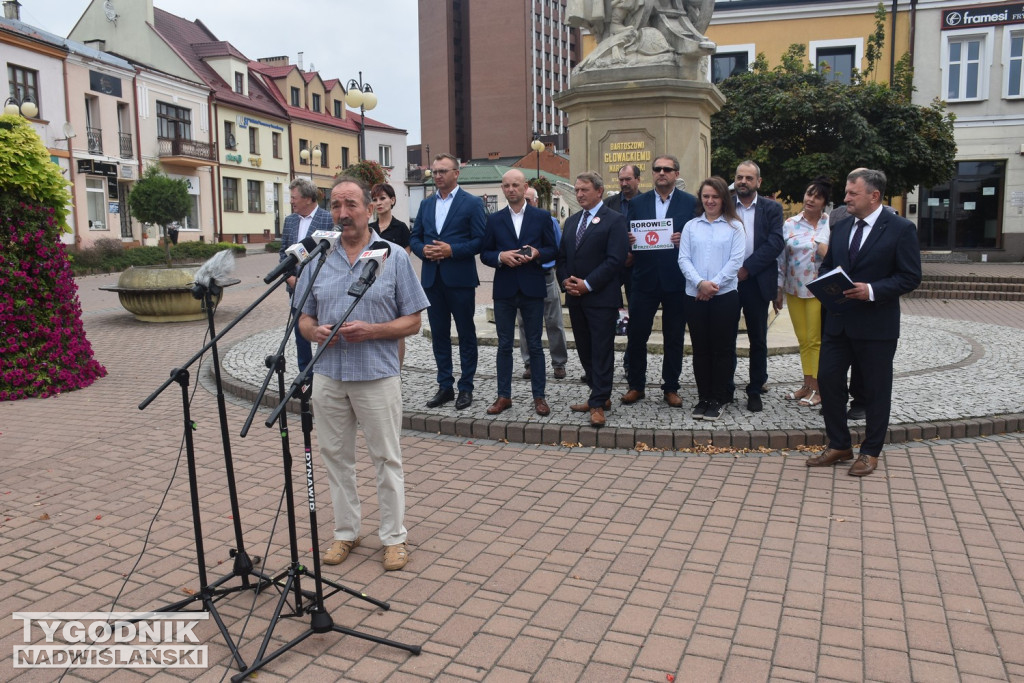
column 297, row 253
column 373, row 261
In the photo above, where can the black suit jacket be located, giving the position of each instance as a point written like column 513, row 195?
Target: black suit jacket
column 500, row 235
column 658, row 271
column 889, row 261
column 598, row 260
column 763, row 266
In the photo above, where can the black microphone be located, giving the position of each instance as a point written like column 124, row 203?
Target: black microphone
column 297, row 253
column 374, row 257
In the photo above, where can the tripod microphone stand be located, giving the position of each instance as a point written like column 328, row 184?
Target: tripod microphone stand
column 320, row 620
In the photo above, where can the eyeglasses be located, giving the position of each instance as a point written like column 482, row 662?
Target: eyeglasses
column 441, row 171
column 665, row 169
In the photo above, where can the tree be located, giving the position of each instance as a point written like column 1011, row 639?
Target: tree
column 43, row 347
column 544, row 190
column 797, row 124
column 370, row 172
column 160, row 200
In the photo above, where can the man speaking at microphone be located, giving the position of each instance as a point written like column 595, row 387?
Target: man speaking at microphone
column 359, row 371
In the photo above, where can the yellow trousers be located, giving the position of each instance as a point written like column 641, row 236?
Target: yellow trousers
column 806, row 317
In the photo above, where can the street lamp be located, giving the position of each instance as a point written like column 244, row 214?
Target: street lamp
column 361, row 95
column 316, row 156
column 538, row 147
column 26, row 107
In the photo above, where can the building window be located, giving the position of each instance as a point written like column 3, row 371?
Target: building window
column 172, row 122
column 966, row 61
column 255, row 192
column 275, row 144
column 337, row 109
column 254, row 140
column 239, row 82
column 316, row 102
column 323, row 155
column 231, row 194
column 966, row 212
column 837, row 59
column 344, row 157
column 24, row 84
column 384, row 155
column 730, row 60
column 96, row 198
column 1013, row 42
column 296, row 97
column 229, row 136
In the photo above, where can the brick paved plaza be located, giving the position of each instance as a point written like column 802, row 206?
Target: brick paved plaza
column 545, row 563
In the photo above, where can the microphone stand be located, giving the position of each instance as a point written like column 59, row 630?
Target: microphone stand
column 243, row 566
column 320, row 620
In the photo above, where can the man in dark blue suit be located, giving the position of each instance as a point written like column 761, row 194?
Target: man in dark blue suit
column 518, row 239
column 306, row 218
column 447, row 235
column 880, row 253
column 657, row 279
column 590, row 257
column 758, row 276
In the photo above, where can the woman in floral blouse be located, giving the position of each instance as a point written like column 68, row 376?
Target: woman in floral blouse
column 806, row 236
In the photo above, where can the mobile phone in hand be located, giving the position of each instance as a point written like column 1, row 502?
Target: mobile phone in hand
column 526, row 251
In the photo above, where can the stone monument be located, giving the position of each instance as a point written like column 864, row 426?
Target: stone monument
column 644, row 89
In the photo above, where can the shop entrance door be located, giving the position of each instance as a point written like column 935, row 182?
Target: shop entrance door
column 965, row 213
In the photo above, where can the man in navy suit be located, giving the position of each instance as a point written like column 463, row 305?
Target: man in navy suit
column 880, row 253
column 657, row 279
column 758, row 276
column 518, row 239
column 590, row 258
column 306, row 218
column 446, row 235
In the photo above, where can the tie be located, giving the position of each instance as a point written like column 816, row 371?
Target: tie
column 584, row 222
column 858, row 234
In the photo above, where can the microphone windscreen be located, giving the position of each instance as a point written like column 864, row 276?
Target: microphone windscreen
column 217, row 267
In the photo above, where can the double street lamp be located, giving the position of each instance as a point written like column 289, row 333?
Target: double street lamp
column 361, row 95
column 26, row 107
column 306, row 156
column 538, row 147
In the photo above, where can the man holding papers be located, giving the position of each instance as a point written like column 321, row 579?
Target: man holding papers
column 656, row 218
column 879, row 252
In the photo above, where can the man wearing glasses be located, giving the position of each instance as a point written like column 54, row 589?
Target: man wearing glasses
column 447, row 235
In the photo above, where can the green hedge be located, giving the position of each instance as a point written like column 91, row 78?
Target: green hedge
column 110, row 256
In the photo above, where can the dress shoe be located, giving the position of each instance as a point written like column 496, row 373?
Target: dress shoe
column 829, row 456
column 673, row 400
column 585, row 407
column 464, row 400
column 863, row 466
column 754, row 403
column 597, row 417
column 585, row 379
column 527, row 374
column 500, row 405
column 441, row 397
column 560, row 373
column 856, row 412
column 541, row 407
column 631, row 396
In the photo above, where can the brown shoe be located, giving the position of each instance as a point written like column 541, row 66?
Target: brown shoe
column 560, row 373
column 865, row 465
column 542, row 407
column 631, row 396
column 673, row 400
column 829, row 457
column 500, row 405
column 585, row 407
column 597, row 417
column 339, row 551
column 395, row 556
column 527, row 374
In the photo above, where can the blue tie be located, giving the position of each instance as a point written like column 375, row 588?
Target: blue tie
column 584, row 222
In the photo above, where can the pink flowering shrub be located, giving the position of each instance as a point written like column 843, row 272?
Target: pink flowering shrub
column 43, row 349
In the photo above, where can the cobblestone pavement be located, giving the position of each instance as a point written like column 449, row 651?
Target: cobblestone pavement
column 534, row 562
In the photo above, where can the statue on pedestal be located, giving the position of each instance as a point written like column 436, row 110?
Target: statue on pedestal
column 643, row 32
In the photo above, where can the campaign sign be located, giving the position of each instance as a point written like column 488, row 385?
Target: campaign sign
column 652, row 234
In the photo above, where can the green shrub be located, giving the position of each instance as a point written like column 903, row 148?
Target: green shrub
column 101, row 259
column 273, row 247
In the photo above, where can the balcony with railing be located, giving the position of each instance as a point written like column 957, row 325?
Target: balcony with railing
column 125, row 143
column 95, row 139
column 186, row 152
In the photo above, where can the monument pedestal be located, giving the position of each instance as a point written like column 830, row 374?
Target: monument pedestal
column 630, row 115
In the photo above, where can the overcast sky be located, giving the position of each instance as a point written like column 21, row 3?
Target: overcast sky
column 338, row 37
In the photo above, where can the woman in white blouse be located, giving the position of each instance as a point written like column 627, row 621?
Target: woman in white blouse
column 710, row 254
column 806, row 235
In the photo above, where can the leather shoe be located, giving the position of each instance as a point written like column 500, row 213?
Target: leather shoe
column 673, row 400
column 541, row 407
column 856, row 412
column 829, row 456
column 631, row 396
column 500, row 405
column 559, row 373
column 441, row 397
column 597, row 417
column 464, row 400
column 585, row 407
column 863, row 466
column 585, row 379
column 754, row 403
column 527, row 374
